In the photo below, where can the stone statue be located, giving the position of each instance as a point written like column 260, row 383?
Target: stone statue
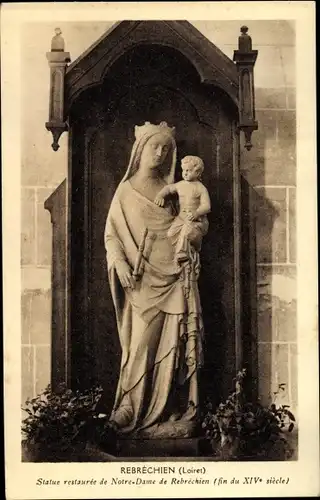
column 157, row 303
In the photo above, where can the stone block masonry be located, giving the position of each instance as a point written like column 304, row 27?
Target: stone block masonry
column 270, row 168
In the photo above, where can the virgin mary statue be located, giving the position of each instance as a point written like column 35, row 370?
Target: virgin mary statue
column 158, row 313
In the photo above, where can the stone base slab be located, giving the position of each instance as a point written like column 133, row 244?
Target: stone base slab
column 153, row 448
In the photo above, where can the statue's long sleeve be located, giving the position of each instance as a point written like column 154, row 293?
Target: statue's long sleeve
column 113, row 245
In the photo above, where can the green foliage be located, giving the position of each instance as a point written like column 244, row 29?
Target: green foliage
column 248, row 429
column 60, row 421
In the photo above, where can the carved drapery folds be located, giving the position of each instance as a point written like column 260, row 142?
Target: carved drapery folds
column 58, row 60
column 245, row 59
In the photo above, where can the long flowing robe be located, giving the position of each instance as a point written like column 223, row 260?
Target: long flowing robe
column 160, row 326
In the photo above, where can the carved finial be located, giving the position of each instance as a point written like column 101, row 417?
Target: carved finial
column 245, row 59
column 247, row 134
column 56, row 131
column 57, row 42
column 245, row 42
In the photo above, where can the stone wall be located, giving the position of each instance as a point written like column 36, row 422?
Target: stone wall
column 269, row 167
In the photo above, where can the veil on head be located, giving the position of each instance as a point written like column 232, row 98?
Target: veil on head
column 142, row 134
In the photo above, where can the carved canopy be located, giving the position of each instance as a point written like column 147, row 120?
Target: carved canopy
column 212, row 65
column 234, row 78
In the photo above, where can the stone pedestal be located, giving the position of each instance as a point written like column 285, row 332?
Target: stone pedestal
column 153, row 448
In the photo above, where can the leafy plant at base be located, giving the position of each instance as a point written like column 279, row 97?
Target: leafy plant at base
column 63, row 420
column 244, row 429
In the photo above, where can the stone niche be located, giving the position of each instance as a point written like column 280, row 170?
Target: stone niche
column 137, row 72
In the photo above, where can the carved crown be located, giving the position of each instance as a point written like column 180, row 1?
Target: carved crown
column 151, row 129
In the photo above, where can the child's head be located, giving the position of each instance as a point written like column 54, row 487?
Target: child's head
column 192, row 167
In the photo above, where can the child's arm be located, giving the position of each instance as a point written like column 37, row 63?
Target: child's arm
column 165, row 191
column 205, row 204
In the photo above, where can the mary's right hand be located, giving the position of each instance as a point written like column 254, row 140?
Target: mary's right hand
column 125, row 274
column 159, row 200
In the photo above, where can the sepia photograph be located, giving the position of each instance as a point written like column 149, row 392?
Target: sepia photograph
column 167, row 241
column 159, row 248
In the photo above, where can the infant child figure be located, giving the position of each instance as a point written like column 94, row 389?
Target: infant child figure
column 191, row 224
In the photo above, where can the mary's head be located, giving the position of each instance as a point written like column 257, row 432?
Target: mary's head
column 153, row 151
